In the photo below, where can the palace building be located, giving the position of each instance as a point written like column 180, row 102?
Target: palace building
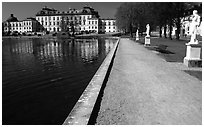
column 55, row 21
column 52, row 20
column 86, row 19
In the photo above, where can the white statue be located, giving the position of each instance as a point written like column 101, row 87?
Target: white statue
column 194, row 26
column 137, row 35
column 147, row 30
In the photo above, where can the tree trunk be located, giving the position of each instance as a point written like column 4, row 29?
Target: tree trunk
column 178, row 28
column 165, row 31
column 130, row 27
column 170, row 32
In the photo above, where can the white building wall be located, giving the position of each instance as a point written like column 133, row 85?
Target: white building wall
column 108, row 25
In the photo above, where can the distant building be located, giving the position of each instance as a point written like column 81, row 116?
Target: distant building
column 86, row 19
column 108, row 25
column 12, row 25
column 55, row 21
column 52, row 20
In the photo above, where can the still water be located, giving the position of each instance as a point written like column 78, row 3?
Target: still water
column 42, row 79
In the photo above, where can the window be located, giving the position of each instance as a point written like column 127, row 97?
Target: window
column 45, row 18
column 57, row 18
column 95, row 27
column 92, row 27
column 92, row 22
column 95, row 22
column 53, row 18
column 89, row 22
column 53, row 23
column 50, row 23
column 109, row 23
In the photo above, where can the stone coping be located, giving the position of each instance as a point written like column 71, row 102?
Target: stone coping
column 194, row 45
column 82, row 110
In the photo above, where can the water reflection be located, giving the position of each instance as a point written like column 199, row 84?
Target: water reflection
column 54, row 50
column 43, row 78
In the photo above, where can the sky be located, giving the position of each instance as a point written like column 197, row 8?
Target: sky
column 22, row 10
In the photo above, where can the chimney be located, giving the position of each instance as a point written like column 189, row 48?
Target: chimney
column 11, row 15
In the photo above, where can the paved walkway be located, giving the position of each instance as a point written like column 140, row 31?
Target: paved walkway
column 144, row 89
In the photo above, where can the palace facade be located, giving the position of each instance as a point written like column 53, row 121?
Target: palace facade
column 52, row 20
column 86, row 19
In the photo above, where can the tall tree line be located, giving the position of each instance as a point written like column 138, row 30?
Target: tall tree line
column 134, row 15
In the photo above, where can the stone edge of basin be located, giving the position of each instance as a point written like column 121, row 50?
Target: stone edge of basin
column 83, row 108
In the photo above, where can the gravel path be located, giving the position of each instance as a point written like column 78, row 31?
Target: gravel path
column 144, row 89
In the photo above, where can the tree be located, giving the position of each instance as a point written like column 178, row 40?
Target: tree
column 171, row 13
column 162, row 14
column 133, row 15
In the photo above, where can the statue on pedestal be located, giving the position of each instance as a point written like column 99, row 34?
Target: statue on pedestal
column 194, row 26
column 147, row 30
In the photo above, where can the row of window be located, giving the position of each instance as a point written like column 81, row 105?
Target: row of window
column 93, row 22
column 59, row 18
column 19, row 28
column 21, row 24
column 93, row 27
column 106, row 27
column 50, row 23
column 108, row 23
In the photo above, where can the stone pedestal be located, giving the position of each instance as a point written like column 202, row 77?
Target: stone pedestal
column 137, row 38
column 193, row 55
column 147, row 41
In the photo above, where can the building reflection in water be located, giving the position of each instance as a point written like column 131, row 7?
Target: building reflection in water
column 85, row 50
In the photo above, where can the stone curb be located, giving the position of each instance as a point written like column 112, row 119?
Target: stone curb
column 82, row 110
